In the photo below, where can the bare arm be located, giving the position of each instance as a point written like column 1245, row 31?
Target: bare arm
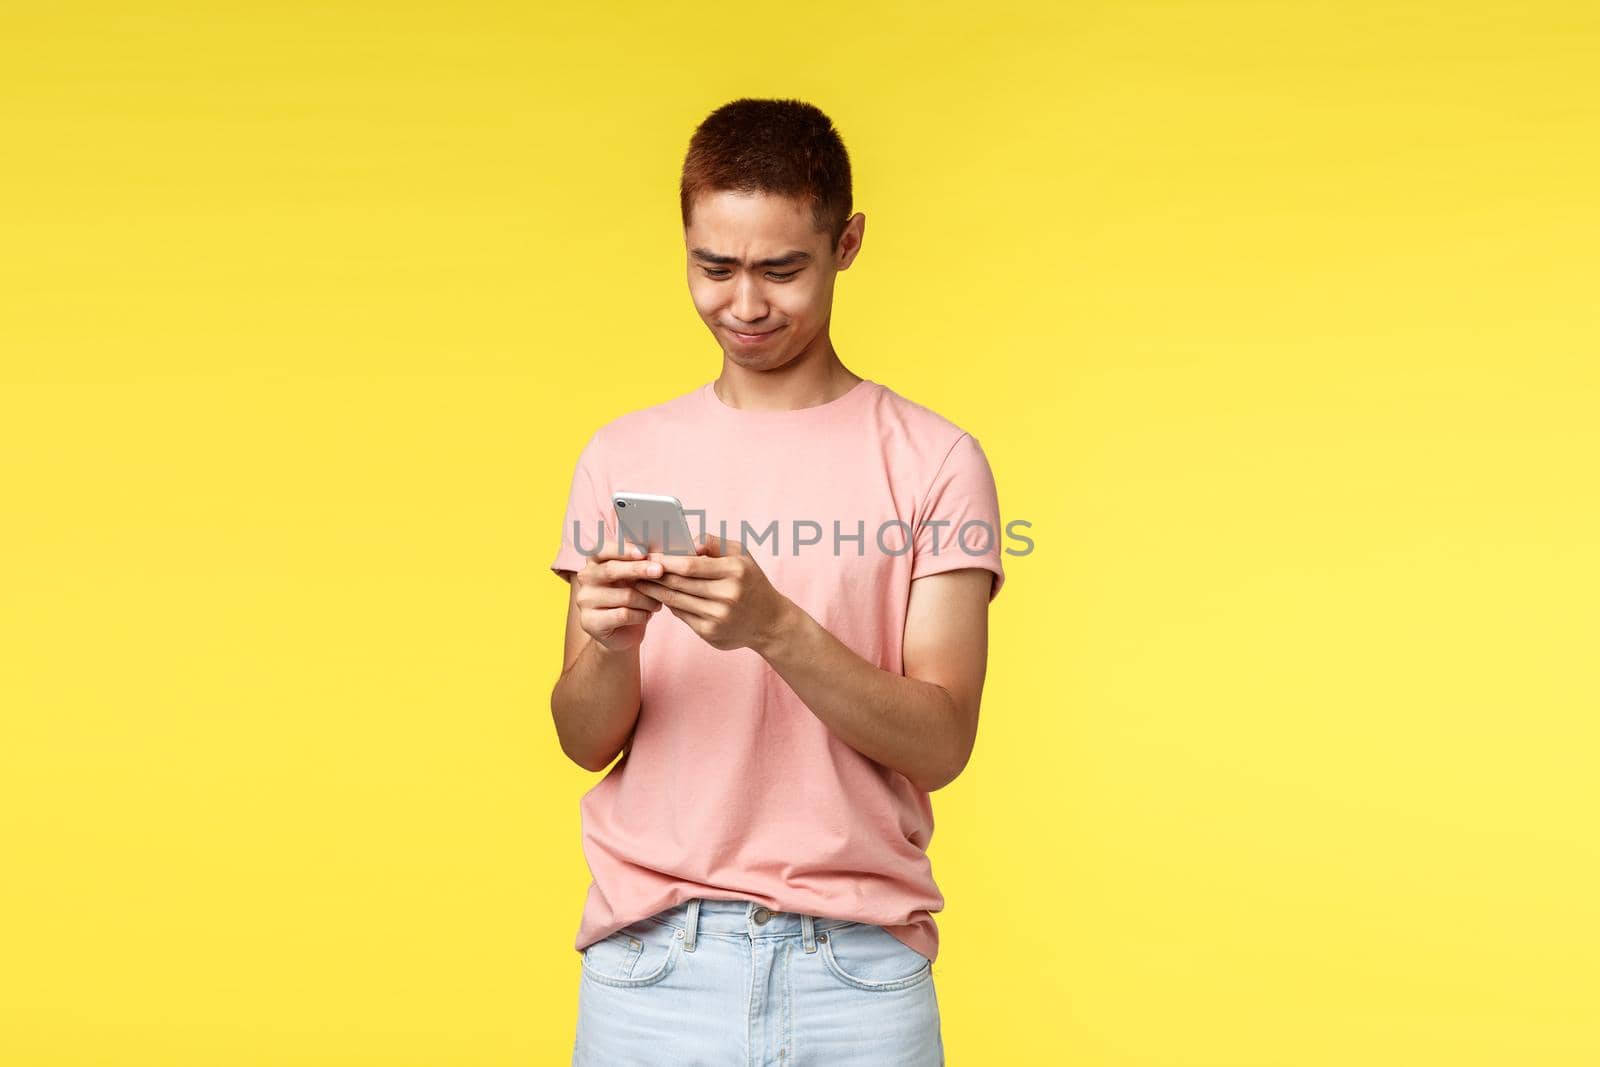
column 595, row 702
column 923, row 723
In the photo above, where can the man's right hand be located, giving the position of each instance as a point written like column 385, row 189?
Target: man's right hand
column 610, row 609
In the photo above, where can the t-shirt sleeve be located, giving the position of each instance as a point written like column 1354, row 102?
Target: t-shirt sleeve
column 588, row 507
column 958, row 524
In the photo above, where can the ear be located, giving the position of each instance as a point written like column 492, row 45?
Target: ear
column 850, row 241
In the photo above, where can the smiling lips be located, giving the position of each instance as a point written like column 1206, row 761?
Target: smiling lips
column 752, row 338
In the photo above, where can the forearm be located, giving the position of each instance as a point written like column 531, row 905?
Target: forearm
column 903, row 723
column 595, row 704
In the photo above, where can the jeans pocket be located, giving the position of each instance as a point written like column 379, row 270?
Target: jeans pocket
column 638, row 955
column 865, row 956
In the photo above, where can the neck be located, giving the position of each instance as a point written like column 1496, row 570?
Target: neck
column 805, row 381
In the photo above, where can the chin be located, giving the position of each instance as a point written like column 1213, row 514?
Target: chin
column 764, row 361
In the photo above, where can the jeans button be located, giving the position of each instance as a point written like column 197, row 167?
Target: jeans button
column 762, row 915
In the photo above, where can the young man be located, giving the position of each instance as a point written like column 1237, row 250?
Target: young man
column 762, row 892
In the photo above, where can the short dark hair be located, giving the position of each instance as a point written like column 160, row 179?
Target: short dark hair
column 780, row 147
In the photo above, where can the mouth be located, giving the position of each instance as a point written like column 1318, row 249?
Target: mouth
column 751, row 338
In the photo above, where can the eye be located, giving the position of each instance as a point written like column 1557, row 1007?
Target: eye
column 721, row 272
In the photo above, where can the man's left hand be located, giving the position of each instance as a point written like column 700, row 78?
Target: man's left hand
column 721, row 594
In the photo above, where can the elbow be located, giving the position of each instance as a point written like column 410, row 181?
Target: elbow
column 589, row 761
column 962, row 734
column 941, row 774
column 596, row 763
column 573, row 752
column 942, row 777
column 578, row 749
column 586, row 760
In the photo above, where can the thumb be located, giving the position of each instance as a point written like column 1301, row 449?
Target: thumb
column 712, row 545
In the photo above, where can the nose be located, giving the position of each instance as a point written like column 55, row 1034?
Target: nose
column 748, row 305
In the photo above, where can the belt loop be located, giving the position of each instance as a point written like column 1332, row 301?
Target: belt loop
column 808, row 933
column 692, row 925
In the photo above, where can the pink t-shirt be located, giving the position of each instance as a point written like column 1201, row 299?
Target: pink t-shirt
column 732, row 788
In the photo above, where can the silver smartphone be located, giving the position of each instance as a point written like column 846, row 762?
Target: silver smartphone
column 653, row 521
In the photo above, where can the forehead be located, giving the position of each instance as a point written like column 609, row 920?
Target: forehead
column 734, row 223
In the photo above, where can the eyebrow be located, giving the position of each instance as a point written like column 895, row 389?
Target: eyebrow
column 792, row 256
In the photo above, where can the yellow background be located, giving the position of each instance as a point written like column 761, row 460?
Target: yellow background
column 1277, row 322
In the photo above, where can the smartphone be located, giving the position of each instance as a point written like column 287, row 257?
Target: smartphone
column 653, row 521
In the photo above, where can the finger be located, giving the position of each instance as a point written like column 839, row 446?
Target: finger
column 677, row 599
column 616, row 618
column 618, row 596
column 689, row 618
column 612, row 550
column 704, row 588
column 715, row 545
column 627, row 570
column 690, row 566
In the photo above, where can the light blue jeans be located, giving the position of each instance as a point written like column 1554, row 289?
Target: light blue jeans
column 729, row 983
